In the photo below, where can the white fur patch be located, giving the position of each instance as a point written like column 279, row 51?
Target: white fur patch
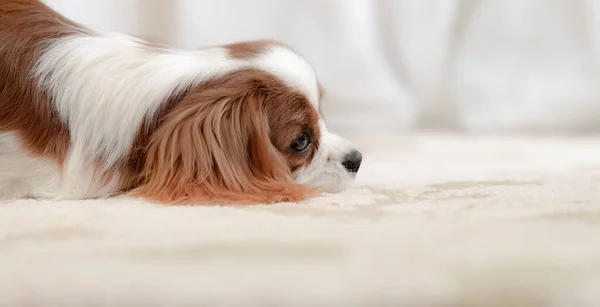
column 24, row 175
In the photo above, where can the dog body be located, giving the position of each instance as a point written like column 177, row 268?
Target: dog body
column 85, row 114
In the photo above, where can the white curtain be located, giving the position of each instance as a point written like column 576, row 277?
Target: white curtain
column 394, row 65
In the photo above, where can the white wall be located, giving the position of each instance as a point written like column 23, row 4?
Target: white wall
column 395, row 65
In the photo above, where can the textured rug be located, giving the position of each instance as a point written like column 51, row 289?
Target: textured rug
column 433, row 220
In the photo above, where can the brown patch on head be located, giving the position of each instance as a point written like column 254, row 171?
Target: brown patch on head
column 288, row 121
column 26, row 28
column 227, row 141
column 245, row 50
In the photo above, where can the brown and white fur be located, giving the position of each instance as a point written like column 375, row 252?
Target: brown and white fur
column 85, row 114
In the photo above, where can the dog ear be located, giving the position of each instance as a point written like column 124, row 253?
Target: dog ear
column 214, row 147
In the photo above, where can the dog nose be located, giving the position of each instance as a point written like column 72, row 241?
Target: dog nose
column 352, row 161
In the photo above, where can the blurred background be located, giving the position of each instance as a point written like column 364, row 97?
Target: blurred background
column 395, row 66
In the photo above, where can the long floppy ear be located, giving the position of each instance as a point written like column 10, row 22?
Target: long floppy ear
column 214, row 147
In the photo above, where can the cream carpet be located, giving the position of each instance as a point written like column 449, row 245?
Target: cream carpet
column 433, row 220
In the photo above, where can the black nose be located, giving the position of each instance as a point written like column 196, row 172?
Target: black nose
column 352, row 161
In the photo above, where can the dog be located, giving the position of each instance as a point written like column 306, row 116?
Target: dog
column 86, row 114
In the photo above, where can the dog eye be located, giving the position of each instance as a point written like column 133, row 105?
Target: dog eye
column 301, row 144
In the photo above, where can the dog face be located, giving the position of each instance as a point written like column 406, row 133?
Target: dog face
column 314, row 156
